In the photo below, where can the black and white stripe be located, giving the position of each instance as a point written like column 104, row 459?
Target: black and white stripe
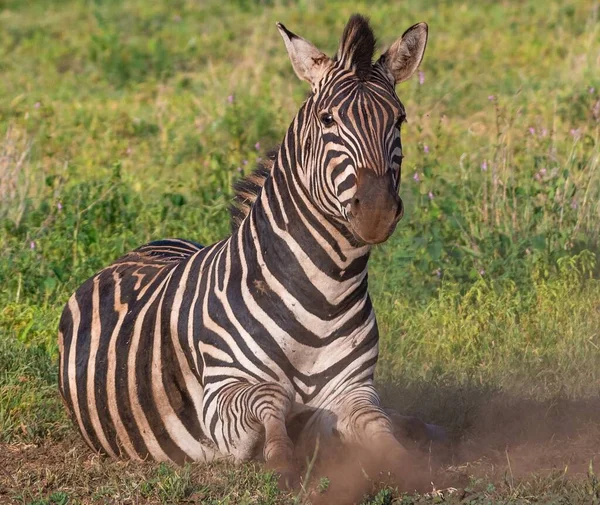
column 182, row 352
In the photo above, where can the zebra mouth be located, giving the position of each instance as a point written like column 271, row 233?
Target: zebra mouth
column 374, row 225
column 372, row 237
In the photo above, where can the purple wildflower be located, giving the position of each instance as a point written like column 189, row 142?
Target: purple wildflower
column 574, row 204
column 575, row 133
column 491, row 98
column 257, row 146
column 544, row 132
column 32, row 245
column 37, row 105
column 591, row 89
column 425, row 148
column 421, row 77
column 438, row 273
column 482, row 272
column 430, row 195
column 543, row 171
column 532, row 130
column 59, row 205
column 416, row 177
column 245, row 162
column 230, row 98
column 484, row 166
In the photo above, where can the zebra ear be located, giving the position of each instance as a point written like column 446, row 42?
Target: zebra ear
column 404, row 56
column 309, row 63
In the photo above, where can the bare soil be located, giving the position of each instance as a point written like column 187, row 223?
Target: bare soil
column 502, row 440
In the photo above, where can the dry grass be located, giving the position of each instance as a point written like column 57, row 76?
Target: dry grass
column 17, row 178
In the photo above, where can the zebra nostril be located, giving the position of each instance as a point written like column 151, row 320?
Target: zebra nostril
column 355, row 205
column 400, row 209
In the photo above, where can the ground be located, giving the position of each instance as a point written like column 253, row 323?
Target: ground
column 127, row 121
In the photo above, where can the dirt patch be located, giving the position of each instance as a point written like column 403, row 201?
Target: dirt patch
column 520, row 437
column 501, row 440
column 38, row 469
column 29, row 472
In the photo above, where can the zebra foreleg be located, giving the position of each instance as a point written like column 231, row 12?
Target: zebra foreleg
column 363, row 423
column 247, row 412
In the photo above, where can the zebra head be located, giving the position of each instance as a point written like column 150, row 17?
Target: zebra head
column 349, row 132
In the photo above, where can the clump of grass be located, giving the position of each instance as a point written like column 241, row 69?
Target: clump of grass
column 497, row 331
column 30, row 406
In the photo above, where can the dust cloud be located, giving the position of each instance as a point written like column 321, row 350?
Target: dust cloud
column 489, row 435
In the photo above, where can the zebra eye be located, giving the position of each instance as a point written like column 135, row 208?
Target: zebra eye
column 327, row 119
column 399, row 120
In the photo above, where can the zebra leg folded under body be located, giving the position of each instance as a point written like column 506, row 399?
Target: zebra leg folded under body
column 240, row 414
column 362, row 422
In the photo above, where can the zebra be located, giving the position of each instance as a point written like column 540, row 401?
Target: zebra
column 179, row 352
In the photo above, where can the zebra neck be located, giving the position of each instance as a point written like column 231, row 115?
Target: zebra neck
column 301, row 249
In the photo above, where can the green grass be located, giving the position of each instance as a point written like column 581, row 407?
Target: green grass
column 123, row 122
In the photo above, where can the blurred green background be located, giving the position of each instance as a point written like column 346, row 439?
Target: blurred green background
column 127, row 121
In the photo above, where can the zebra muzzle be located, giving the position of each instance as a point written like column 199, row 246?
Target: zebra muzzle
column 375, row 209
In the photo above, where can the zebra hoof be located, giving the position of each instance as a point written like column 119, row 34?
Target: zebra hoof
column 286, row 472
column 414, row 429
column 288, row 480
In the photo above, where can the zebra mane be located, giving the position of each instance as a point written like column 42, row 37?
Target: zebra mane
column 357, row 46
column 248, row 188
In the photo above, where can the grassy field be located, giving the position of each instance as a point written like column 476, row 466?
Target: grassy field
column 123, row 122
